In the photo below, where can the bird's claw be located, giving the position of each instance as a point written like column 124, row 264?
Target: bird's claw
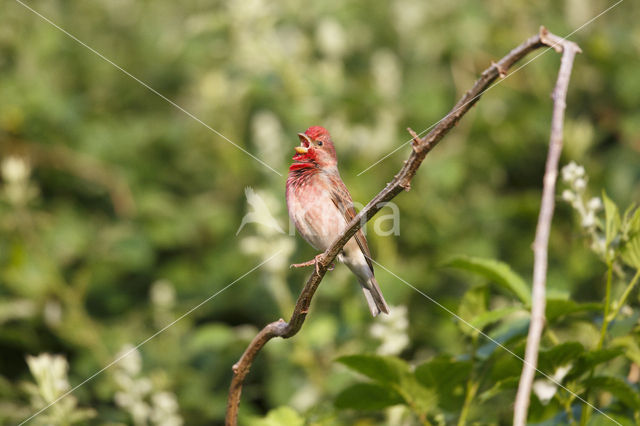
column 303, row 264
column 315, row 261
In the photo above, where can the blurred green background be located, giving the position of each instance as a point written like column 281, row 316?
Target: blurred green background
column 119, row 212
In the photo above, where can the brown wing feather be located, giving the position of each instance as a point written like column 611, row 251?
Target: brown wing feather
column 342, row 199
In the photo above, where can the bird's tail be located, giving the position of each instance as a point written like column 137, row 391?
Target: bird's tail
column 374, row 296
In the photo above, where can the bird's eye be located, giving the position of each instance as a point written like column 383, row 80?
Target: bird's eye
column 319, row 143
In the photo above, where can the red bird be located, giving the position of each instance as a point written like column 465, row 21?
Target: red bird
column 320, row 206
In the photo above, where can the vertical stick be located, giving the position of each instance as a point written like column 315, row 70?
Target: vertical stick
column 541, row 242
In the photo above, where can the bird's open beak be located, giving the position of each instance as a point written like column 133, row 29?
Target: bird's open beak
column 305, row 141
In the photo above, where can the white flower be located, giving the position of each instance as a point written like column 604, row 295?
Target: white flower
column 589, row 220
column 392, row 331
column 545, row 389
column 568, row 172
column 595, row 204
column 165, row 401
column 15, row 169
column 386, row 73
column 165, row 410
column 130, row 359
column 568, row 195
column 580, row 184
column 331, row 38
column 50, row 372
column 162, row 294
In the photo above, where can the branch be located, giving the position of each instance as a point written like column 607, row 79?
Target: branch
column 401, row 182
column 541, row 242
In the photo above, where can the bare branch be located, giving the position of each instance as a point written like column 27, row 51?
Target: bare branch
column 541, row 242
column 401, row 182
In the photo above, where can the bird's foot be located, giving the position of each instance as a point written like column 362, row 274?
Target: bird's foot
column 315, row 261
column 304, row 264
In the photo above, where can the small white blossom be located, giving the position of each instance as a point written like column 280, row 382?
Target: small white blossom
column 568, row 172
column 568, row 195
column 331, row 38
column 131, row 361
column 595, row 204
column 136, row 393
column 15, row 169
column 580, row 184
column 392, row 331
column 545, row 389
column 589, row 220
column 162, row 294
column 50, row 374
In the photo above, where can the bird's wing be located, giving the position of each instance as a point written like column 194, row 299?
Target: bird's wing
column 342, row 200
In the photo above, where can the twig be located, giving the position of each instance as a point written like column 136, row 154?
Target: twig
column 399, row 183
column 541, row 242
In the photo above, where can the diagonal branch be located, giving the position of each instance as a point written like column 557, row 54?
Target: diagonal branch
column 541, row 242
column 401, row 182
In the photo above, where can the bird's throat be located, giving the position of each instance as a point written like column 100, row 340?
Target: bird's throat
column 304, row 161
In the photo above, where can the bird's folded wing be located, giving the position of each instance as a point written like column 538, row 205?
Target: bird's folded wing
column 343, row 201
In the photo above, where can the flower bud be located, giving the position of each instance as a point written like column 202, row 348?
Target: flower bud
column 595, row 204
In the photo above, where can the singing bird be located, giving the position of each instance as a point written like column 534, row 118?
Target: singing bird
column 320, row 206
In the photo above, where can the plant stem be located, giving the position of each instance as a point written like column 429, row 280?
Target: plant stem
column 626, row 294
column 472, row 388
column 552, row 336
column 607, row 302
column 586, row 409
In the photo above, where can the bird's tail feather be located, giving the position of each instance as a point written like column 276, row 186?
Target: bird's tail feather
column 374, row 297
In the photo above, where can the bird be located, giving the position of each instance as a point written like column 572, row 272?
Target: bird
column 320, row 206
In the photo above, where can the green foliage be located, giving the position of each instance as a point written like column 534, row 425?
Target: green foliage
column 281, row 416
column 395, row 383
column 618, row 388
column 496, row 271
column 120, row 214
column 558, row 308
column 447, row 378
column 368, row 396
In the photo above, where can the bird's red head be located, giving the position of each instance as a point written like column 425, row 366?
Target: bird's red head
column 314, row 132
column 316, row 149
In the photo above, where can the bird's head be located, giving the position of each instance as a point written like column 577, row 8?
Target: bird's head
column 316, row 147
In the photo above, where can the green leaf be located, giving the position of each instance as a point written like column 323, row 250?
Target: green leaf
column 383, row 369
column 489, row 317
column 421, row 398
column 558, row 308
column 629, row 345
column 558, row 356
column 472, row 305
column 210, row 337
column 602, row 420
column 587, row 360
column 368, row 396
column 618, row 387
column 448, row 377
column 499, row 387
column 395, row 374
column 443, row 372
column 281, row 416
column 612, row 219
column 496, row 271
column 630, row 251
column 505, row 333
